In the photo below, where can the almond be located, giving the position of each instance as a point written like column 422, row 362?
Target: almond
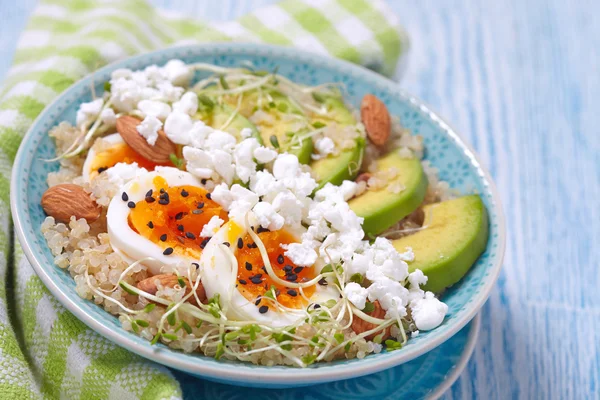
column 66, row 200
column 159, row 153
column 376, row 119
column 148, row 285
column 359, row 325
column 364, row 177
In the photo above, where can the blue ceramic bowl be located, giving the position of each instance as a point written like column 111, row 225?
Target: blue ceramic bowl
column 456, row 161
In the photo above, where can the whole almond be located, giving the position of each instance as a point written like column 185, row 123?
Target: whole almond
column 360, row 325
column 376, row 119
column 148, row 285
column 66, row 200
column 159, row 153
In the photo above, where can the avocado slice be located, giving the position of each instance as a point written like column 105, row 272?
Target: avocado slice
column 382, row 208
column 456, row 234
column 217, row 115
column 344, row 166
column 280, row 127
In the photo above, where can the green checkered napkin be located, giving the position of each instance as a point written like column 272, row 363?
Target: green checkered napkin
column 45, row 352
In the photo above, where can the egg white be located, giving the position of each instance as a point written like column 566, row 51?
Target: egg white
column 220, row 277
column 125, row 241
column 113, row 139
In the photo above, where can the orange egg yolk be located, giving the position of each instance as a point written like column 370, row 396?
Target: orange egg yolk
column 120, row 152
column 253, row 281
column 173, row 217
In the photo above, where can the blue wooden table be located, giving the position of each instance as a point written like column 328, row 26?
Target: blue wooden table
column 521, row 81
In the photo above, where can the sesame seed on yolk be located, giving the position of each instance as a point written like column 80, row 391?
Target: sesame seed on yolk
column 251, row 270
column 176, row 220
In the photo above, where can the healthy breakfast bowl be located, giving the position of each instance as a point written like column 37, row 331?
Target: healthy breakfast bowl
column 256, row 215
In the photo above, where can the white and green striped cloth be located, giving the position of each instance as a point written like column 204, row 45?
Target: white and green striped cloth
column 45, row 352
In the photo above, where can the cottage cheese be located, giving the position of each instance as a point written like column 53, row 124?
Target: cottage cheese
column 148, row 128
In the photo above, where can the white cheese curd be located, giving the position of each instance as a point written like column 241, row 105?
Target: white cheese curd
column 211, row 227
column 301, row 254
column 149, row 128
column 177, row 72
column 154, row 108
column 88, row 112
column 187, row 104
column 428, row 313
column 219, row 276
column 121, row 173
column 356, row 294
column 128, row 243
column 178, row 126
column 324, row 146
column 108, row 116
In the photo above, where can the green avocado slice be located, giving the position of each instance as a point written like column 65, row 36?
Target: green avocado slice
column 381, row 208
column 218, row 115
column 455, row 236
column 279, row 125
column 344, row 166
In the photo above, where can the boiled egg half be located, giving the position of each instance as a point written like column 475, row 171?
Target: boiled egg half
column 160, row 215
column 232, row 267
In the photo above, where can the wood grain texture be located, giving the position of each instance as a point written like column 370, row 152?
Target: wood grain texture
column 520, row 80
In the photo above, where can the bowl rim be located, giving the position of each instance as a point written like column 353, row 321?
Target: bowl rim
column 268, row 375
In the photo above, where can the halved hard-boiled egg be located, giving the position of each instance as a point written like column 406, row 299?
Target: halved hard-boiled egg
column 232, row 267
column 107, row 152
column 161, row 215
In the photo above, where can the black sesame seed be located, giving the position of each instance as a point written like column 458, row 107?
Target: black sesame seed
column 292, row 292
column 261, row 230
column 164, row 202
column 204, row 242
column 184, row 193
column 242, row 281
column 240, row 243
column 298, row 269
column 179, row 215
column 227, row 244
column 163, row 237
column 203, row 181
column 263, row 309
column 316, row 306
column 150, row 225
column 180, row 228
column 190, row 235
column 291, row 277
column 257, row 302
column 197, row 212
column 150, row 199
column 149, row 193
column 280, row 259
column 248, row 266
column 131, row 204
column 168, row 251
column 208, row 196
column 288, row 268
column 162, row 191
column 124, row 196
column 255, row 279
column 252, row 245
column 323, row 282
column 200, row 205
column 196, row 265
column 102, row 169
